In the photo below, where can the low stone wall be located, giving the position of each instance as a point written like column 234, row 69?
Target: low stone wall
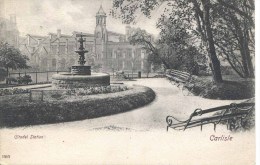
column 75, row 108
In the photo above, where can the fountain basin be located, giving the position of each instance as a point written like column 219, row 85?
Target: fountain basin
column 70, row 81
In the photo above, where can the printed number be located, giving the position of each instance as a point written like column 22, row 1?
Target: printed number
column 6, row 156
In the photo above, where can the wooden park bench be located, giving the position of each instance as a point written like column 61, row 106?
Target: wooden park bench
column 228, row 114
column 178, row 76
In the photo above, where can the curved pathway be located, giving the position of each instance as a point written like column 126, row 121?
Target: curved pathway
column 140, row 132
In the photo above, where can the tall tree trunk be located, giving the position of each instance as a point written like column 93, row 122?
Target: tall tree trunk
column 217, row 77
column 248, row 57
column 242, row 50
column 243, row 39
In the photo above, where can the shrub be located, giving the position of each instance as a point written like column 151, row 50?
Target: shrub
column 26, row 79
column 74, row 107
column 227, row 90
column 120, row 75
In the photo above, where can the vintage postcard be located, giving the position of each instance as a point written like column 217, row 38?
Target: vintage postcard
column 127, row 82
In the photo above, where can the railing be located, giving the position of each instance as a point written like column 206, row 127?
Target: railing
column 24, row 95
column 37, row 76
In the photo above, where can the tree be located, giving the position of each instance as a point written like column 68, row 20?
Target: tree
column 234, row 34
column 173, row 48
column 181, row 10
column 177, row 44
column 11, row 57
column 203, row 19
column 206, row 19
column 141, row 37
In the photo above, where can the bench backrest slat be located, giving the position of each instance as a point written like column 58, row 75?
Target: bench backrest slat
column 211, row 119
column 179, row 74
column 222, row 108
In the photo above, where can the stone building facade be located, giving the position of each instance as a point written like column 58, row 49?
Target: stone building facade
column 109, row 50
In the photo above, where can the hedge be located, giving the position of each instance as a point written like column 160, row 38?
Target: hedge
column 74, row 108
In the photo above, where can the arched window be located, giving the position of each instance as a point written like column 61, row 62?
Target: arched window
column 98, row 35
column 53, row 63
column 44, row 64
column 62, row 63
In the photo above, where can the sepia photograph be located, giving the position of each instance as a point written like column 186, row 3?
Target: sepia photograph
column 127, row 82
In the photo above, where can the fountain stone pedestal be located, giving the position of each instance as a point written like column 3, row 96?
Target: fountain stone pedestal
column 81, row 70
column 80, row 76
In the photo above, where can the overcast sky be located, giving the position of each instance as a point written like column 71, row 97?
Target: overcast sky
column 43, row 16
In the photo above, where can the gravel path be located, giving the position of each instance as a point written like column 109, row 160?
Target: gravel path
column 138, row 136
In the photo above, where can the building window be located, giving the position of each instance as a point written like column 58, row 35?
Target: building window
column 120, row 64
column 71, row 48
column 53, row 48
column 138, row 54
column 62, row 49
column 53, row 63
column 44, row 64
column 137, row 65
column 128, row 65
column 98, row 35
column 110, row 53
column 129, row 53
column 62, row 63
column 119, row 54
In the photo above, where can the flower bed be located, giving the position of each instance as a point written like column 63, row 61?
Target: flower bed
column 13, row 91
column 74, row 107
column 58, row 94
column 97, row 90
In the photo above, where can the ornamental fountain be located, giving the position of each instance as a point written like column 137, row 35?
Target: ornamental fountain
column 80, row 76
column 75, row 96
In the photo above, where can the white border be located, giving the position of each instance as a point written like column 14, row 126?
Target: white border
column 257, row 51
